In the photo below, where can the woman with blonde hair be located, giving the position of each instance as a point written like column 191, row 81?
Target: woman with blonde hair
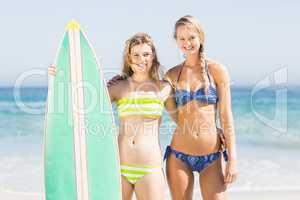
column 140, row 98
column 202, row 92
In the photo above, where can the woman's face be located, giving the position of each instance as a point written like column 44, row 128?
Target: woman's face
column 188, row 39
column 141, row 57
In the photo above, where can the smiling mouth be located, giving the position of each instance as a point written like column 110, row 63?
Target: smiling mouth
column 189, row 48
column 142, row 65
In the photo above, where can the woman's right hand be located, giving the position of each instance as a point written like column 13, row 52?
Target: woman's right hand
column 52, row 70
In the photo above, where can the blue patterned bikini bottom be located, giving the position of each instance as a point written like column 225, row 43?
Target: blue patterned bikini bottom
column 196, row 163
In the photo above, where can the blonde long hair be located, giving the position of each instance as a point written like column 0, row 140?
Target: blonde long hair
column 140, row 38
column 189, row 20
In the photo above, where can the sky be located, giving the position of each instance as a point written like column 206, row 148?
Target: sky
column 253, row 39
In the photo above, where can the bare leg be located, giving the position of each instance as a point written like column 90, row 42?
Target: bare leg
column 151, row 186
column 212, row 181
column 127, row 189
column 180, row 179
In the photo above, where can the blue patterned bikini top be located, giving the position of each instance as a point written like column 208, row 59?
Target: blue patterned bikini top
column 183, row 96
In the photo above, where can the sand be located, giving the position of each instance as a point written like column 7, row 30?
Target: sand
column 233, row 195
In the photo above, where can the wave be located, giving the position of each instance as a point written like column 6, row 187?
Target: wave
column 22, row 108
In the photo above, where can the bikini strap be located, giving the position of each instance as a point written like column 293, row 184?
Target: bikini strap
column 179, row 74
column 206, row 68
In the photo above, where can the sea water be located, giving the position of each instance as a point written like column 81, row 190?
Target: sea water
column 266, row 126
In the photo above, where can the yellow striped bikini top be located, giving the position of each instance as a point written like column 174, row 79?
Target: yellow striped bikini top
column 148, row 104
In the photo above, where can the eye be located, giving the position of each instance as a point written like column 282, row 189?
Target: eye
column 193, row 37
column 146, row 54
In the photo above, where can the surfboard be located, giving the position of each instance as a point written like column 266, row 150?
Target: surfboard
column 81, row 160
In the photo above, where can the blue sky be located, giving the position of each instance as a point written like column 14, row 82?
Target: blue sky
column 252, row 38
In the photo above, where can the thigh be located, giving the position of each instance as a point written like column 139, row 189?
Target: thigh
column 212, row 181
column 180, row 179
column 151, row 186
column 127, row 189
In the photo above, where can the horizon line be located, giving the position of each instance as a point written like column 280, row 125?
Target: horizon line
column 46, row 86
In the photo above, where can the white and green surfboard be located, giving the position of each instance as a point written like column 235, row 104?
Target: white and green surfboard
column 80, row 148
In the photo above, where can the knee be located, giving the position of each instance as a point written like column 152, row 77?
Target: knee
column 215, row 195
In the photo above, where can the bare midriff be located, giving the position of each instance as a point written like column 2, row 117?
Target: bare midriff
column 138, row 141
column 196, row 133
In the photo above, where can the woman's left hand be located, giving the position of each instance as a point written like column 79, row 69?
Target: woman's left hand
column 115, row 80
column 230, row 172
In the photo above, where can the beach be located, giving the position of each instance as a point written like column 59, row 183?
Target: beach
column 267, row 158
column 243, row 195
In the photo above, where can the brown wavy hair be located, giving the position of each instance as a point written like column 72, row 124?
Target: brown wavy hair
column 137, row 39
column 191, row 21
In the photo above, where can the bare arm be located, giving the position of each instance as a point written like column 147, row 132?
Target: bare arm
column 222, row 80
column 113, row 92
column 223, row 87
column 170, row 104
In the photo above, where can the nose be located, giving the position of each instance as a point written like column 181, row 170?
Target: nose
column 141, row 59
column 188, row 43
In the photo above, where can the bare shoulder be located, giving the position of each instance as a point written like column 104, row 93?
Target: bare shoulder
column 165, row 89
column 218, row 71
column 117, row 90
column 121, row 84
column 172, row 73
column 215, row 67
column 165, row 85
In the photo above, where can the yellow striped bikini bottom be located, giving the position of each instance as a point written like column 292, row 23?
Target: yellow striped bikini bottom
column 134, row 173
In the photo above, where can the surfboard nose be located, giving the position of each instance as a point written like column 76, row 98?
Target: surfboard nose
column 73, row 25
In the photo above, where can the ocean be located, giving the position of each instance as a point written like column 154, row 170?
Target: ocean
column 266, row 124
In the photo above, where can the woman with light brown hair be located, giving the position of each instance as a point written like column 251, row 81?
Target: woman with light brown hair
column 202, row 92
column 140, row 98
